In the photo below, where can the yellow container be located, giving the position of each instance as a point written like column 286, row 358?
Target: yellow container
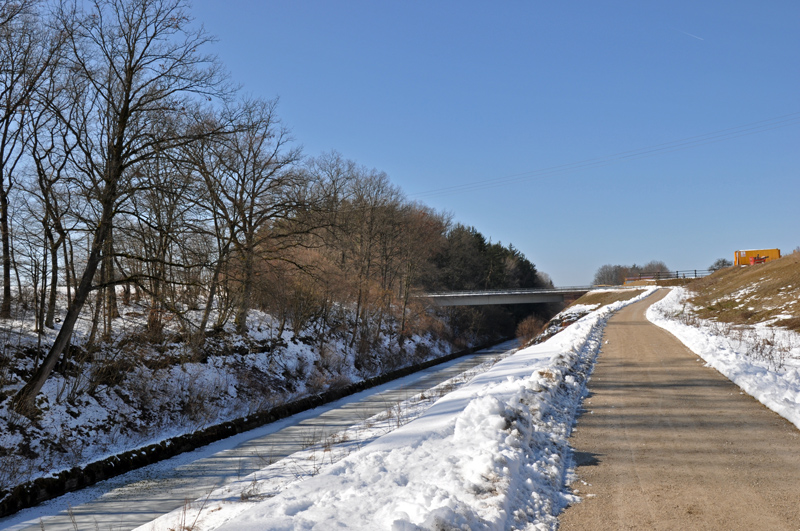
column 760, row 255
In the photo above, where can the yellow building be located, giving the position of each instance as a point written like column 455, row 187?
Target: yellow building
column 757, row 256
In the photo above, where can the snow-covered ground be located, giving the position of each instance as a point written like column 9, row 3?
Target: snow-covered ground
column 764, row 361
column 128, row 395
column 492, row 454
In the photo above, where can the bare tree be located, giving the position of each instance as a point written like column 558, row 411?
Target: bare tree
column 608, row 275
column 615, row 275
column 375, row 245
column 422, row 235
column 367, row 234
column 11, row 9
column 253, row 189
column 654, row 266
column 129, row 62
column 27, row 52
column 49, row 145
column 163, row 226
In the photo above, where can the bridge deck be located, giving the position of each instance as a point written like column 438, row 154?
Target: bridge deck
column 518, row 296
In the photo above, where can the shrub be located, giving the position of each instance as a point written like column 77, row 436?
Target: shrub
column 720, row 263
column 529, row 328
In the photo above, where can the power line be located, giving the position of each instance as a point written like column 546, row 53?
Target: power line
column 640, row 153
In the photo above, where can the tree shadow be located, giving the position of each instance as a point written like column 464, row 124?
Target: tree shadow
column 585, row 458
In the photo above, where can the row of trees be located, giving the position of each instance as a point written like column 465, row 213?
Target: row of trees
column 97, row 95
column 615, row 275
column 129, row 166
column 469, row 262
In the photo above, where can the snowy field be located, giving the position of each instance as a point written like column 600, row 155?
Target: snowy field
column 492, row 454
column 764, row 361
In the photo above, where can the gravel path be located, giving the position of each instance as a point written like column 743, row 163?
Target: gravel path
column 667, row 443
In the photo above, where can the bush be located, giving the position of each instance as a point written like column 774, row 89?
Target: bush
column 720, row 263
column 528, row 329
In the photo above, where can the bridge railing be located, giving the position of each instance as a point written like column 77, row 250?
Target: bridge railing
column 669, row 275
column 512, row 296
column 521, row 291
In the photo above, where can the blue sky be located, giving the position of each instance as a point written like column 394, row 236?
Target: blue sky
column 442, row 94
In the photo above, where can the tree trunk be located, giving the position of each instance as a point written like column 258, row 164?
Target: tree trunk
column 42, row 294
column 68, row 267
column 5, row 306
column 356, row 319
column 98, row 307
column 49, row 320
column 210, row 301
column 16, row 271
column 110, row 299
column 155, row 325
column 405, row 296
column 223, row 255
column 247, row 287
column 24, row 400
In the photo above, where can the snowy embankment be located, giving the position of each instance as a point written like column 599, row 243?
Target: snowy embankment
column 490, row 455
column 763, row 361
column 129, row 394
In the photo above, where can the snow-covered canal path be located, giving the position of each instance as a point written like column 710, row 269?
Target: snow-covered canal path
column 140, row 496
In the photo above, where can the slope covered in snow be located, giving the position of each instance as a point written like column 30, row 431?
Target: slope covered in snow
column 146, row 394
column 492, row 454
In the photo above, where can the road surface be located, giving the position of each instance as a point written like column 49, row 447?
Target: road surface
column 667, row 443
column 136, row 498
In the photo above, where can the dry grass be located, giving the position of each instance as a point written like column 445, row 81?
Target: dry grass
column 752, row 294
column 607, row 297
column 529, row 328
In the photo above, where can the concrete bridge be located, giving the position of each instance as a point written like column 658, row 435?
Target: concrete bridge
column 506, row 296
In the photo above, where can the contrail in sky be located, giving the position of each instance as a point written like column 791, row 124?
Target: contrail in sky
column 690, row 35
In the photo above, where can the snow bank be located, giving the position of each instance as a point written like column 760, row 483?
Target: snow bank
column 130, row 394
column 763, row 361
column 491, row 455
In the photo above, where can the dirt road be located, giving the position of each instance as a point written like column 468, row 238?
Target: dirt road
column 667, row 443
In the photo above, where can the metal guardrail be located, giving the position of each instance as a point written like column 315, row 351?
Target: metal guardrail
column 669, row 275
column 504, row 296
column 525, row 291
column 542, row 295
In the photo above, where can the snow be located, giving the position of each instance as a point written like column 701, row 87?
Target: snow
column 492, row 454
column 170, row 471
column 84, row 421
column 763, row 361
column 577, row 310
column 488, row 450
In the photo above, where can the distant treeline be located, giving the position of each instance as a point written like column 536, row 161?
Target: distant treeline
column 615, row 275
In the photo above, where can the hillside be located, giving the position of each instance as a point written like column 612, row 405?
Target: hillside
column 133, row 394
column 765, row 294
column 743, row 322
